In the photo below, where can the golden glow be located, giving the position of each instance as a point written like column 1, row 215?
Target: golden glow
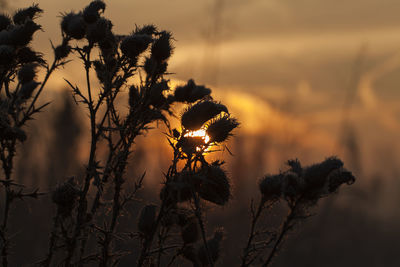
column 201, row 133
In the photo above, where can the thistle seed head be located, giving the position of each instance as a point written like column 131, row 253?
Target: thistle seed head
column 154, row 68
column 98, row 31
column 27, row 73
column 316, row 175
column 65, row 196
column 30, row 13
column 339, row 177
column 162, row 48
column 27, row 55
column 271, row 186
column 191, row 92
column 293, row 185
column 133, row 45
column 198, row 114
column 146, row 29
column 147, row 219
column 220, row 128
column 156, row 94
column 215, row 187
column 91, row 13
column 5, row 21
column 27, row 89
column 73, row 25
column 22, row 34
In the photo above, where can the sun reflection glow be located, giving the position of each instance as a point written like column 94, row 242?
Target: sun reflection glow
column 201, row 133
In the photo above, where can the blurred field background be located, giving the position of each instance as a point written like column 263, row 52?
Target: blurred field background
column 306, row 78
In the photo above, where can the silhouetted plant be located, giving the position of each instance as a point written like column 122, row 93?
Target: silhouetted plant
column 89, row 206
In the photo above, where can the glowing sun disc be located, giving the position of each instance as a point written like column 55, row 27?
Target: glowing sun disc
column 200, row 133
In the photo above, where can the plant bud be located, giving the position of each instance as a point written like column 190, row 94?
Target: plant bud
column 147, row 219
column 154, row 68
column 62, row 51
column 27, row 73
column 196, row 115
column 220, row 129
column 271, row 186
column 191, row 92
column 73, row 25
column 22, row 15
column 162, row 48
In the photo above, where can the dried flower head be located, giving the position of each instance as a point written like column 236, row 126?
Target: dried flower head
column 98, row 31
column 316, row 175
column 133, row 45
column 191, row 92
column 198, row 114
column 215, row 187
column 162, row 48
column 220, row 128
column 62, row 51
column 27, row 89
column 27, row 55
column 30, row 13
column 147, row 219
column 27, row 73
column 22, row 34
column 73, row 25
column 339, row 177
column 65, row 196
column 91, row 13
column 293, row 185
column 271, row 186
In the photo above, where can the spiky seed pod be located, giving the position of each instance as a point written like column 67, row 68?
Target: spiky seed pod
column 339, row 177
column 149, row 29
column 91, row 13
column 27, row 73
column 316, row 175
column 99, row 30
column 293, row 185
column 162, row 48
column 30, row 13
column 215, row 187
column 27, row 89
column 220, row 128
column 5, row 21
column 271, row 186
column 190, row 232
column 65, row 196
column 189, row 144
column 198, row 114
column 27, row 55
column 7, row 54
column 214, row 248
column 191, row 92
column 147, row 219
column 22, row 34
column 133, row 45
column 73, row 25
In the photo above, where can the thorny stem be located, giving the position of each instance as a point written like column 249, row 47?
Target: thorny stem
column 255, row 217
column 286, row 226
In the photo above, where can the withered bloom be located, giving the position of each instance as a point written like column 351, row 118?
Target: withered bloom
column 196, row 115
column 191, row 92
column 220, row 129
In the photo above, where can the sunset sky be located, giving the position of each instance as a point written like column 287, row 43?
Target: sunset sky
column 283, row 66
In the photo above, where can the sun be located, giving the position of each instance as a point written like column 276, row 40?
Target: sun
column 201, row 133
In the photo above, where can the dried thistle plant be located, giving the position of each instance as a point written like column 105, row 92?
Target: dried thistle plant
column 90, row 205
